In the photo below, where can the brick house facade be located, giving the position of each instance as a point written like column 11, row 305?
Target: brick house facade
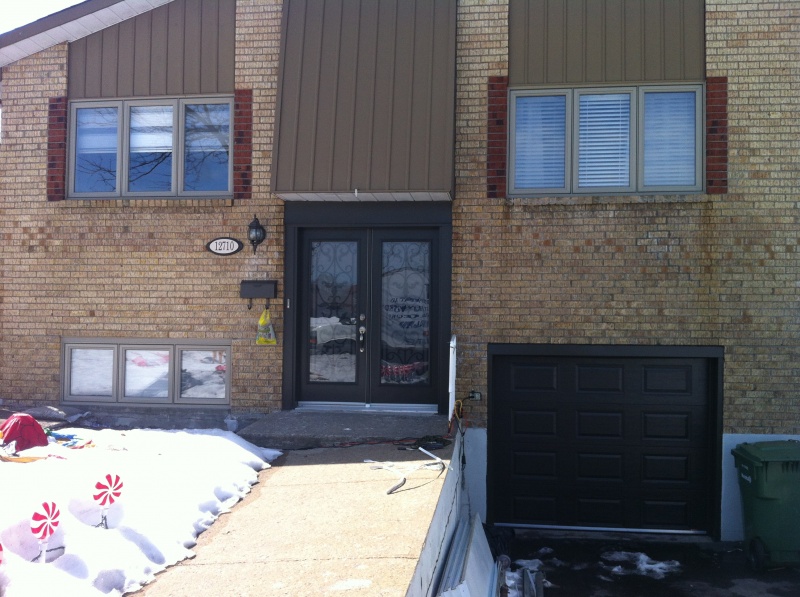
column 716, row 268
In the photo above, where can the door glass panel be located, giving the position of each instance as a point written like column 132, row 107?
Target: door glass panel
column 405, row 301
column 333, row 312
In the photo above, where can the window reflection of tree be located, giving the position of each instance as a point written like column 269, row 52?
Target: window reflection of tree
column 207, row 147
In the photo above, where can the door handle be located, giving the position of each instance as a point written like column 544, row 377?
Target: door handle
column 362, row 330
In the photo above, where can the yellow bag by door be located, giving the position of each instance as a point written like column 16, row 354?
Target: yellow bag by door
column 266, row 333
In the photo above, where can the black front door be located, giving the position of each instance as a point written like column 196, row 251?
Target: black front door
column 365, row 299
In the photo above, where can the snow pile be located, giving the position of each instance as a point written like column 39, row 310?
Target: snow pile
column 628, row 562
column 171, row 486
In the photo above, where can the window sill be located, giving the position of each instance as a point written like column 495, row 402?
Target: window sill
column 611, row 199
column 149, row 201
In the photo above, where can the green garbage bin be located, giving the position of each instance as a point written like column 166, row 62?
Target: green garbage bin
column 769, row 479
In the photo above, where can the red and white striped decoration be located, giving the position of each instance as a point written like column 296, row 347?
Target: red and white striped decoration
column 45, row 522
column 108, row 491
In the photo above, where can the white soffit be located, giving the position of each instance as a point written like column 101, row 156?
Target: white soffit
column 66, row 29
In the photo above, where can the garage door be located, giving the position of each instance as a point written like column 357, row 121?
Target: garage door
column 623, row 441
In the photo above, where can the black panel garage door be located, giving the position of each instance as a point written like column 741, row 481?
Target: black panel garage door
column 622, row 440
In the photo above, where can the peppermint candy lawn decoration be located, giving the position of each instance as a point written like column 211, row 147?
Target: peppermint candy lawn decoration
column 109, row 491
column 44, row 523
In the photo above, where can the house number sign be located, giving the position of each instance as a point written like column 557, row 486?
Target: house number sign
column 225, row 246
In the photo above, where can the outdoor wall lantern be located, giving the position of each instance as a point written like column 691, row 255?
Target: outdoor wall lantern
column 256, row 233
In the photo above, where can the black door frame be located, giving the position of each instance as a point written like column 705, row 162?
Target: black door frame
column 715, row 359
column 323, row 214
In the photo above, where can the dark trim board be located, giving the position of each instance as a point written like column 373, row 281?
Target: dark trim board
column 713, row 357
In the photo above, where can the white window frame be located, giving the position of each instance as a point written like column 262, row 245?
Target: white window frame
column 123, row 147
column 119, row 346
column 637, row 186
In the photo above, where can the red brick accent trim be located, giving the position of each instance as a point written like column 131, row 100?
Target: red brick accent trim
column 497, row 141
column 243, row 144
column 57, row 149
column 717, row 135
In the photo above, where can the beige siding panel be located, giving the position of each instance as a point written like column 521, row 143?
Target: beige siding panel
column 400, row 133
column 418, row 170
column 613, row 48
column 175, row 47
column 366, row 96
column 694, row 36
column 384, row 96
column 442, row 123
column 109, row 61
column 366, row 71
column 655, row 54
column 328, row 87
column 127, row 38
column 595, row 40
column 311, row 67
column 633, row 40
column 226, row 47
column 77, row 68
column 559, row 42
column 575, row 68
column 556, row 36
column 192, row 48
column 183, row 48
column 286, row 145
column 94, row 49
column 141, row 61
column 346, row 94
column 209, row 52
column 159, row 56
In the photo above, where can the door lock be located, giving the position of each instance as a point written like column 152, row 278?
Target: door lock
column 362, row 330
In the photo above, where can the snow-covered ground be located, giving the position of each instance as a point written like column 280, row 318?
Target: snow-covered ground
column 160, row 488
column 611, row 564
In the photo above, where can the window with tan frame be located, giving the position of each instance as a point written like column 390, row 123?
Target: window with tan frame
column 151, row 147
column 146, row 372
column 606, row 140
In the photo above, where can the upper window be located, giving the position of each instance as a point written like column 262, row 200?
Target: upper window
column 140, row 148
column 607, row 140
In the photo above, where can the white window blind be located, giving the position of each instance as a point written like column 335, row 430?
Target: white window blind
column 541, row 139
column 604, row 140
column 670, row 140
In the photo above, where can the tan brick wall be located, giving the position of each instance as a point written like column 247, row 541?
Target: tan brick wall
column 133, row 268
column 692, row 270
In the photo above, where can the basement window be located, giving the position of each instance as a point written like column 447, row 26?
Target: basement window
column 146, row 372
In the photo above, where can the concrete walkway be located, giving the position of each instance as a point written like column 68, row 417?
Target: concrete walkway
column 320, row 522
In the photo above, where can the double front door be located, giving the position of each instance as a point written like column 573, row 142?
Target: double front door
column 367, row 299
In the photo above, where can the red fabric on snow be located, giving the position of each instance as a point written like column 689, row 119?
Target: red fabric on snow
column 23, row 429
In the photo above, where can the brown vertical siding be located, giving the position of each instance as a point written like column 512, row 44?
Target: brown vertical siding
column 182, row 48
column 559, row 42
column 367, row 96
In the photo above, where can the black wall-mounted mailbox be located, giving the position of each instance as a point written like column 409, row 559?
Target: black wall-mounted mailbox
column 251, row 289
